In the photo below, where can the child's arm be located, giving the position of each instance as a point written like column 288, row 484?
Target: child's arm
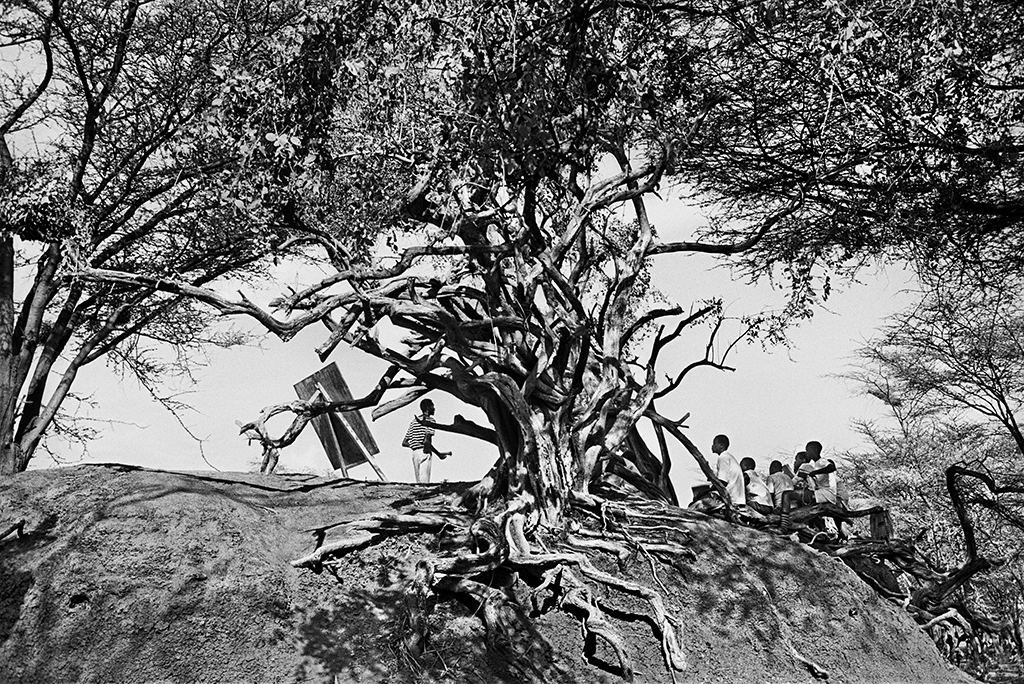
column 429, row 448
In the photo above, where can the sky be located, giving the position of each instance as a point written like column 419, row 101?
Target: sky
column 775, row 401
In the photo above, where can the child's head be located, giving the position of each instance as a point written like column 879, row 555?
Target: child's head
column 775, row 467
column 747, row 463
column 427, row 407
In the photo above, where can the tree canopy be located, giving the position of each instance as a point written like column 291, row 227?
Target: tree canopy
column 110, row 158
column 897, row 121
column 814, row 135
column 478, row 173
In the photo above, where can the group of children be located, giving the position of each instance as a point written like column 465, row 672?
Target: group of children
column 811, row 480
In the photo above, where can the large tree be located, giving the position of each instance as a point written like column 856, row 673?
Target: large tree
column 504, row 144
column 508, row 148
column 506, row 152
column 110, row 158
column 809, row 131
column 815, row 135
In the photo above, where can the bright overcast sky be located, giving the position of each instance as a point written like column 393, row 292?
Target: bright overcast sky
column 770, row 406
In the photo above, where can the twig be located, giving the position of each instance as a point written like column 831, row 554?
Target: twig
column 817, row 671
column 18, row 527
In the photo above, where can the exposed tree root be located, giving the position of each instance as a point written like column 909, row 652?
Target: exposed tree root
column 672, row 650
column 556, row 568
column 817, row 671
column 556, row 563
column 492, row 603
column 359, row 533
column 18, row 527
column 575, row 595
column 950, row 615
column 417, row 609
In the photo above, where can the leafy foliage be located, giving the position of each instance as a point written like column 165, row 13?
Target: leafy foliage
column 960, row 350
column 950, row 469
column 896, row 120
column 107, row 160
column 186, row 141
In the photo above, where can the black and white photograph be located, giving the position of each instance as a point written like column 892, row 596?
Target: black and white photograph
column 511, row 341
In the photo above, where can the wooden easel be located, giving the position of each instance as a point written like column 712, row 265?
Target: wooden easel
column 346, row 438
column 354, row 437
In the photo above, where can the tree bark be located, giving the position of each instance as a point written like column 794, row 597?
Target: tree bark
column 10, row 457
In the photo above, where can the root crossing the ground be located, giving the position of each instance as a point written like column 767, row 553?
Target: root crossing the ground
column 556, row 568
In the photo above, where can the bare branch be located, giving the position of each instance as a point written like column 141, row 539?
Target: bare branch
column 15, row 116
column 307, row 409
column 731, row 248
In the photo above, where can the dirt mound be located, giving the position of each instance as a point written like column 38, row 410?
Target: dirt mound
column 132, row 575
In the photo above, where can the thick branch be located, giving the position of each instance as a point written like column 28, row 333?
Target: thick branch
column 283, row 329
column 673, row 429
column 462, row 426
column 307, row 409
column 13, row 118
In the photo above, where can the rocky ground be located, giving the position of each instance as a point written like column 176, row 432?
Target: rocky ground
column 130, row 575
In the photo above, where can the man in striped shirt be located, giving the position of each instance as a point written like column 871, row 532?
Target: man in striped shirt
column 419, row 439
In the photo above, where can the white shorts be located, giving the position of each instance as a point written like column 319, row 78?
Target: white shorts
column 824, row 495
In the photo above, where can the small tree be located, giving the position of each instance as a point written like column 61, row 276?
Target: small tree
column 961, row 349
column 950, row 469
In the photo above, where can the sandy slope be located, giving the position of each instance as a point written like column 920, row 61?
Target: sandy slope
column 145, row 576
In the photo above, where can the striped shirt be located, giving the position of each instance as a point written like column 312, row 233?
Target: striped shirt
column 416, row 435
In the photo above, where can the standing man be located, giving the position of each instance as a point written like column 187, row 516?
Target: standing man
column 419, row 438
column 826, row 482
column 727, row 469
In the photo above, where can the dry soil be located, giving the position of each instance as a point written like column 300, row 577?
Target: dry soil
column 130, row 575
